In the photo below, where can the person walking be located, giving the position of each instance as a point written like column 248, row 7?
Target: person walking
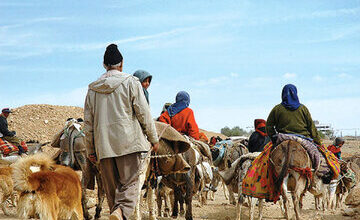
column 118, row 126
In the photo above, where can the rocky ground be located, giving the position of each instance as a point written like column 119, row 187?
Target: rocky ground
column 41, row 122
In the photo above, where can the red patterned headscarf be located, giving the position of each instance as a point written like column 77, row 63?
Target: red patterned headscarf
column 259, row 125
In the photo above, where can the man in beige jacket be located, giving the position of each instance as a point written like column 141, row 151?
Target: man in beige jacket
column 118, row 126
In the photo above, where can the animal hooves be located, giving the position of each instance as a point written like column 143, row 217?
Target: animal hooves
column 87, row 217
column 189, row 218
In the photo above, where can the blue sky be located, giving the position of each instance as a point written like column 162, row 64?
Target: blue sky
column 233, row 57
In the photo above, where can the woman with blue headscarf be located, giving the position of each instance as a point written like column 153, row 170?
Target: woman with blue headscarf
column 291, row 117
column 181, row 117
column 145, row 80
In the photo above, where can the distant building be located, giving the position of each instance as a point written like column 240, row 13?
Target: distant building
column 323, row 127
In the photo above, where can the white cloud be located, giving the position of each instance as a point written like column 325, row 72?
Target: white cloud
column 217, row 80
column 234, row 74
column 344, row 75
column 32, row 21
column 36, row 49
column 289, row 75
column 317, row 78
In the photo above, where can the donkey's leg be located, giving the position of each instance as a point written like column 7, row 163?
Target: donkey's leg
column 261, row 205
column 151, row 202
column 300, row 183
column 177, row 198
column 159, row 199
column 240, row 201
column 190, row 182
column 100, row 195
column 252, row 205
column 80, row 158
column 84, row 200
column 285, row 198
column 167, row 203
column 231, row 197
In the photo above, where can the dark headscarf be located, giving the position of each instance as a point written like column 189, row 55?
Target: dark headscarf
column 289, row 97
column 338, row 141
column 142, row 75
column 259, row 125
column 182, row 102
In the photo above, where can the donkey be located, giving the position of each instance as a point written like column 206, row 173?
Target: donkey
column 233, row 151
column 167, row 160
column 287, row 158
column 72, row 153
column 234, row 176
column 349, row 178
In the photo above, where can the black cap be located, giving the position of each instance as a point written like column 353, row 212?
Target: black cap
column 112, row 55
column 6, row 110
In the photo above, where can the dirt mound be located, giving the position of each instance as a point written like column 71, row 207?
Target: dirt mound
column 209, row 134
column 41, row 122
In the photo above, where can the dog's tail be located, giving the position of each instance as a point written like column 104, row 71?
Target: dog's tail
column 25, row 166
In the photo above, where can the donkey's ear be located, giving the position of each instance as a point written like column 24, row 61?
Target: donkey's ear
column 80, row 120
column 69, row 119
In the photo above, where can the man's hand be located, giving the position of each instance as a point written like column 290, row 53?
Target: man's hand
column 155, row 147
column 92, row 158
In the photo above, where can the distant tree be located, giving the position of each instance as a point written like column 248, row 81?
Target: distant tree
column 226, row 131
column 235, row 131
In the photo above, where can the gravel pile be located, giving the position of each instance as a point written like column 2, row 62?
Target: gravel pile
column 41, row 122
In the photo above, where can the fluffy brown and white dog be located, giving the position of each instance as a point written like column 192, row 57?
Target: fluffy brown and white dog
column 46, row 190
column 6, row 187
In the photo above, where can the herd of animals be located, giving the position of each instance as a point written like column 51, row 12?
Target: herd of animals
column 45, row 187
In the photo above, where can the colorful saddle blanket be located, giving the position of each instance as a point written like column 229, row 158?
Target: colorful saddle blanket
column 7, row 149
column 318, row 154
column 259, row 182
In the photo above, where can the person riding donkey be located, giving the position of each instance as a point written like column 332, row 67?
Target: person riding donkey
column 10, row 136
column 291, row 117
column 336, row 147
column 181, row 117
column 289, row 120
column 259, row 138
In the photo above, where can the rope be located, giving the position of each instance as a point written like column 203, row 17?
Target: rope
column 149, row 156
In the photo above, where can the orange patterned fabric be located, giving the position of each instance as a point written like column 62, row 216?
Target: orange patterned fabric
column 331, row 160
column 7, row 149
column 259, row 182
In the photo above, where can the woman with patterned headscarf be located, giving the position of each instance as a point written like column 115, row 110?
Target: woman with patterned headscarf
column 258, row 138
column 291, row 117
column 181, row 117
